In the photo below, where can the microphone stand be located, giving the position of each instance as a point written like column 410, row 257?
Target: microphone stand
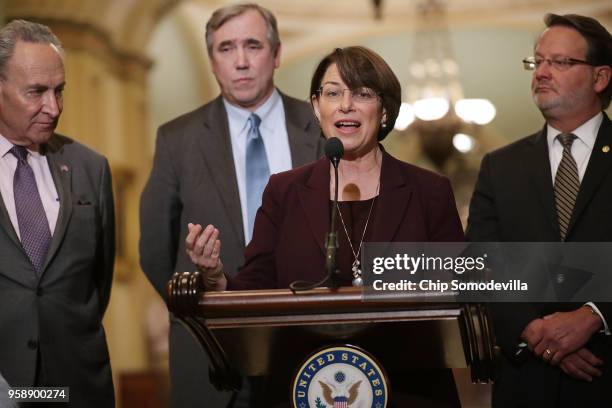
column 331, row 240
column 331, row 246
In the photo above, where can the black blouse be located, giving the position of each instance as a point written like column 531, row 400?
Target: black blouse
column 355, row 216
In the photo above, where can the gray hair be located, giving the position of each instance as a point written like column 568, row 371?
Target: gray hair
column 22, row 30
column 224, row 14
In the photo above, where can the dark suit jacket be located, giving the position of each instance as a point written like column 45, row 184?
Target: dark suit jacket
column 288, row 239
column 194, row 180
column 58, row 316
column 514, row 201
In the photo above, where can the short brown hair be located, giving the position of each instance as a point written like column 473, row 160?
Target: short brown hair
column 360, row 66
column 27, row 31
column 599, row 43
column 224, row 14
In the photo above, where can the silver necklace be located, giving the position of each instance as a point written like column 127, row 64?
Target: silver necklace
column 357, row 279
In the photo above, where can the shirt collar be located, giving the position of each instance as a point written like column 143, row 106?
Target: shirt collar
column 241, row 115
column 586, row 133
column 5, row 146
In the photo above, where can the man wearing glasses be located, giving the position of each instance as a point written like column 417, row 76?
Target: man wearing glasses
column 555, row 185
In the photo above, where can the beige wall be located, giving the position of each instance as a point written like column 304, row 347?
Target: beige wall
column 2, row 11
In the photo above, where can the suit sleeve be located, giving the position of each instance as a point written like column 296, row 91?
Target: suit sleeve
column 484, row 225
column 160, row 209
column 483, row 221
column 105, row 265
column 259, row 271
column 444, row 223
column 605, row 311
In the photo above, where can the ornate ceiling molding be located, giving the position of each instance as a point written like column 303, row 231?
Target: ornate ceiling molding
column 119, row 30
column 114, row 30
column 77, row 36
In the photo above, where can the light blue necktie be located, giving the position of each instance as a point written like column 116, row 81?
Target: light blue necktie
column 257, row 170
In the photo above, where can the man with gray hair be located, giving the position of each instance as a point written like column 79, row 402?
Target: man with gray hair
column 56, row 230
column 211, row 166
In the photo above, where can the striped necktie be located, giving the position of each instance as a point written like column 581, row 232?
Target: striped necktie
column 567, row 184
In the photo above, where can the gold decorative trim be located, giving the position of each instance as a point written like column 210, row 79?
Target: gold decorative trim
column 123, row 179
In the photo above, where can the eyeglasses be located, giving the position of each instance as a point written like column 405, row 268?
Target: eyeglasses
column 557, row 63
column 334, row 93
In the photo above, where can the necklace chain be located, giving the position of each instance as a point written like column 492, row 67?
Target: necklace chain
column 357, row 280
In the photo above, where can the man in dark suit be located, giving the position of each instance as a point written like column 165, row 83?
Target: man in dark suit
column 56, row 230
column 555, row 185
column 204, row 165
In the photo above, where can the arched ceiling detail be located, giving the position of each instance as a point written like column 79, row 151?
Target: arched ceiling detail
column 125, row 26
column 129, row 23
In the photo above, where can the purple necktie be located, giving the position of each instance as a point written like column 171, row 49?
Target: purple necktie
column 33, row 225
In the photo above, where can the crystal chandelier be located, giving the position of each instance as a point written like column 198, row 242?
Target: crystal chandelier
column 434, row 105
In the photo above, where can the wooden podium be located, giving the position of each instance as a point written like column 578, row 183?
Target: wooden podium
column 271, row 332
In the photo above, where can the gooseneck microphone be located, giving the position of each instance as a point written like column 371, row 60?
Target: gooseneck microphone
column 334, row 150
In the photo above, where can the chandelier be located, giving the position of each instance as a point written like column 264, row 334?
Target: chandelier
column 434, row 105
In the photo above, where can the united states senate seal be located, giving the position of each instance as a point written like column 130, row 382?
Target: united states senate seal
column 340, row 377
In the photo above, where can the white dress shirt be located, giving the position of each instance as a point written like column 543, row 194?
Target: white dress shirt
column 581, row 148
column 273, row 131
column 44, row 182
column 581, row 151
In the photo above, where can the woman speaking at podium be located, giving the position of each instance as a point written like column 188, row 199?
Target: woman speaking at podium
column 356, row 98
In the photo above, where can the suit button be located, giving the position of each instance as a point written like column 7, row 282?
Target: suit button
column 39, row 292
column 32, row 344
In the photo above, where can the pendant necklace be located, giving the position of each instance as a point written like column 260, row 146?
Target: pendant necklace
column 356, row 268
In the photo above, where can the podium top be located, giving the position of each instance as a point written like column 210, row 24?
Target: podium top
column 187, row 298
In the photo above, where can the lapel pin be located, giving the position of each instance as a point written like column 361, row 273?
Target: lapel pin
column 605, row 149
column 63, row 167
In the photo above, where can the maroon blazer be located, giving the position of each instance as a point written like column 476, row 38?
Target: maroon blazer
column 414, row 205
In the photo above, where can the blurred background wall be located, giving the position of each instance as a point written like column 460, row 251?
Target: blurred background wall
column 134, row 64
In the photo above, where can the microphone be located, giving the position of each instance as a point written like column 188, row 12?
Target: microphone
column 334, row 150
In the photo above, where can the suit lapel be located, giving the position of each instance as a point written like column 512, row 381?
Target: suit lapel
column 6, row 223
column 26, row 277
column 314, row 197
column 61, row 172
column 216, row 147
column 394, row 196
column 301, row 144
column 599, row 165
column 538, row 164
